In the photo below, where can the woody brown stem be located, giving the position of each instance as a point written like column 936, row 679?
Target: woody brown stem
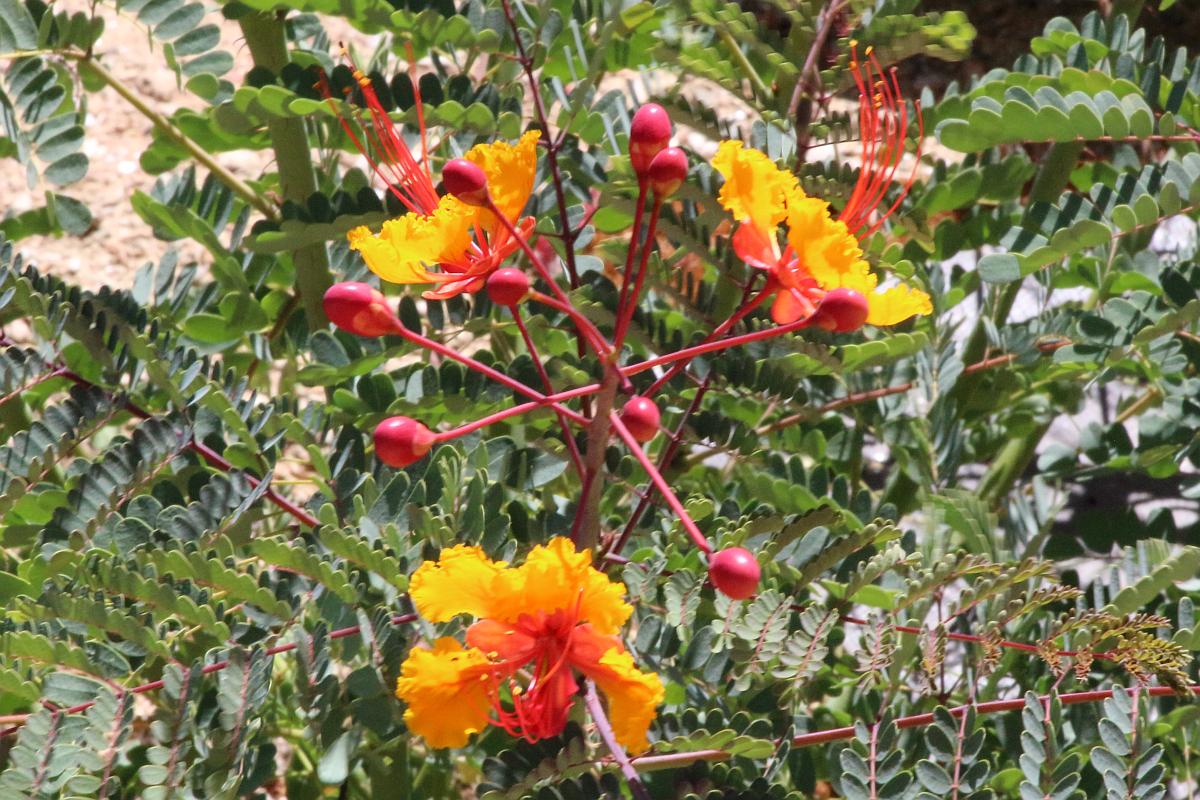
column 585, row 533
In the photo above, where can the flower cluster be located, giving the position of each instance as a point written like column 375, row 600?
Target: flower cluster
column 541, row 627
column 538, row 626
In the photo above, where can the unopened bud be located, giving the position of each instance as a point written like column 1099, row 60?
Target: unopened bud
column 649, row 133
column 667, row 171
column 359, row 308
column 841, row 311
column 641, row 417
column 735, row 572
column 401, row 441
column 465, row 180
column 508, row 286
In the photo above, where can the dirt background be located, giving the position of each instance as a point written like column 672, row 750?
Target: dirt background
column 120, row 243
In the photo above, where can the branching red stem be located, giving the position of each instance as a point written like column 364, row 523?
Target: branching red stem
column 660, row 483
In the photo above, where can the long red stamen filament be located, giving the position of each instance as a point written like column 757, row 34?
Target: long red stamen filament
column 412, row 78
column 883, row 127
column 895, row 127
column 391, row 160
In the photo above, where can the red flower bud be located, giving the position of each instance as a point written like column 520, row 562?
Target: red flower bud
column 641, row 417
column 401, row 441
column 649, row 133
column 841, row 311
column 508, row 286
column 465, row 180
column 734, row 572
column 667, row 171
column 359, row 309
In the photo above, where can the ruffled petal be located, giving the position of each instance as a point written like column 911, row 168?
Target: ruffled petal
column 555, row 577
column 407, row 246
column 462, row 581
column 826, row 248
column 632, row 695
column 510, row 170
column 446, row 691
column 896, row 304
column 755, row 191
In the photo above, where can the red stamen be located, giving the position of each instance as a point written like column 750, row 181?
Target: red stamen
column 883, row 127
column 388, row 154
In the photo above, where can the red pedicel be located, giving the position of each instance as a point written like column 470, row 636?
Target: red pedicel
column 401, row 441
column 734, row 572
column 649, row 133
column 641, row 417
column 508, row 286
column 359, row 308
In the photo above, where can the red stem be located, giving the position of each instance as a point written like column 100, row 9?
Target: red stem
column 664, row 459
column 625, row 310
column 583, row 323
column 660, row 483
column 568, row 439
column 639, row 213
column 523, row 408
column 499, row 377
column 707, row 346
column 208, row 669
column 915, row 721
column 490, row 205
column 604, row 728
column 204, row 451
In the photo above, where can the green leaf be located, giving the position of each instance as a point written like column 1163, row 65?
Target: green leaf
column 17, row 30
column 1000, row 268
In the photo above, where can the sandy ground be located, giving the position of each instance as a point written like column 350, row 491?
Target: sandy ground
column 117, row 134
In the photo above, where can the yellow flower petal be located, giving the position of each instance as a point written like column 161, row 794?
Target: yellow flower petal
column 755, row 191
column 554, row 577
column 632, row 695
column 510, row 171
column 462, row 581
column 826, row 248
column 406, row 246
column 446, row 690
column 896, row 304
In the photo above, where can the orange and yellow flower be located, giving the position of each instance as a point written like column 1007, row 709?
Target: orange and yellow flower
column 457, row 245
column 822, row 252
column 537, row 627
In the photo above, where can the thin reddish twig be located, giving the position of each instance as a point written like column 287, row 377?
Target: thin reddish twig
column 671, row 760
column 209, row 455
column 17, row 720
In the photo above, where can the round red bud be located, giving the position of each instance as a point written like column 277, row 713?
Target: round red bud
column 508, row 286
column 649, row 133
column 401, row 441
column 841, row 311
column 641, row 417
column 465, row 180
column 667, row 171
column 359, row 308
column 734, row 572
